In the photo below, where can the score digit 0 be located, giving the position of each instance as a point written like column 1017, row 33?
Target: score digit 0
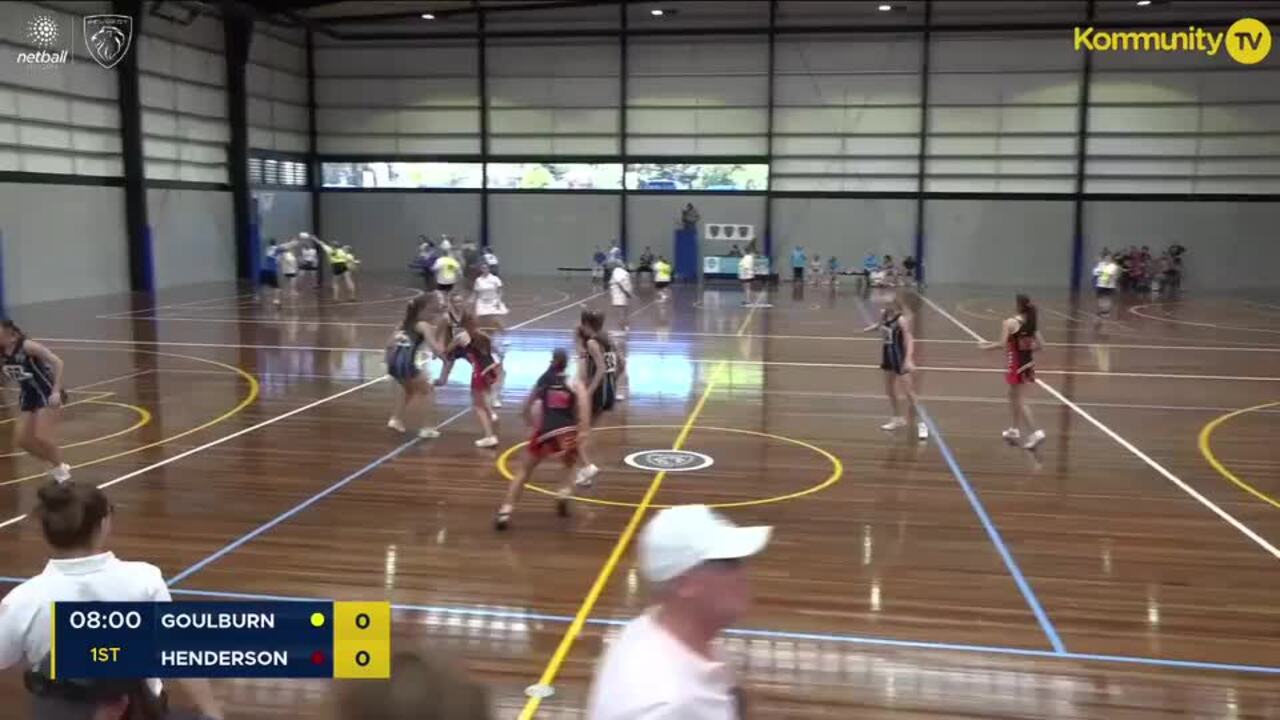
column 362, row 640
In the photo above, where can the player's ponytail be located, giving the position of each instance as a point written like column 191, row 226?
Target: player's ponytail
column 1027, row 310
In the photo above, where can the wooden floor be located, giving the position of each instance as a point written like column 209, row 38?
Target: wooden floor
column 1114, row 574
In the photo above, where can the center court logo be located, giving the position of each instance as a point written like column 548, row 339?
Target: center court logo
column 53, row 45
column 668, row 460
column 1247, row 41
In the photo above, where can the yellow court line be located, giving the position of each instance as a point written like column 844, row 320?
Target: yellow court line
column 144, row 419
column 1207, row 451
column 624, row 540
column 96, row 396
column 248, row 399
column 837, row 469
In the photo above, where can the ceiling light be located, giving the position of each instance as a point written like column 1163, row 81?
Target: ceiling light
column 886, row 8
column 1143, row 3
column 656, row 12
column 428, row 16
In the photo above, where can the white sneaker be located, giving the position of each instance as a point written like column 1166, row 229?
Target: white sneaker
column 894, row 424
column 586, row 474
column 396, row 424
column 1034, row 441
column 922, row 431
column 428, row 433
column 1012, row 435
column 487, row 442
column 61, row 473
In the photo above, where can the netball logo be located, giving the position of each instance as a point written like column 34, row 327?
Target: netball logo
column 108, row 37
column 668, row 460
column 45, row 35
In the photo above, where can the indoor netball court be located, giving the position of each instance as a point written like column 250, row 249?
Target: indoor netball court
column 1128, row 567
column 1125, row 567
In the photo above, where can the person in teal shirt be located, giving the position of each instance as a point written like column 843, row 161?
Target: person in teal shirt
column 797, row 264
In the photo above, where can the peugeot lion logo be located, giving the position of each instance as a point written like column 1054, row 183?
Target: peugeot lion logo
column 108, row 37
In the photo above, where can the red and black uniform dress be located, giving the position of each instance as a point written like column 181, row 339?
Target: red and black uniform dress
column 484, row 367
column 607, row 392
column 557, row 432
column 1021, row 365
column 455, row 328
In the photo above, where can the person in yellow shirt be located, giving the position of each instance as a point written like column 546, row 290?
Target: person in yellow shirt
column 342, row 262
column 662, row 277
column 447, row 269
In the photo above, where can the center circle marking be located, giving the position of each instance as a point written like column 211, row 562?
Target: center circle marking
column 669, row 460
column 837, row 468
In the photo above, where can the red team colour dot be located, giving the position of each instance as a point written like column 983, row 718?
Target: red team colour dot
column 317, row 657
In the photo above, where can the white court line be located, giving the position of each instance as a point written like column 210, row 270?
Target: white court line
column 1226, row 516
column 1039, row 371
column 108, row 381
column 270, row 421
column 704, row 361
column 219, row 441
column 127, row 313
column 1136, row 310
column 1242, row 347
column 1087, row 319
column 970, row 399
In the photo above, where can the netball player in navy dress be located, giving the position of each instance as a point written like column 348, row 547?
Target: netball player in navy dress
column 897, row 359
column 558, row 410
column 599, row 367
column 37, row 372
column 403, row 350
column 1020, row 339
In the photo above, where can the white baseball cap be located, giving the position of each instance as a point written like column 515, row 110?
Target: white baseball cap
column 681, row 538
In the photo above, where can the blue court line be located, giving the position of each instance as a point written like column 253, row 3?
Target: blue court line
column 750, row 633
column 1041, row 616
column 304, row 505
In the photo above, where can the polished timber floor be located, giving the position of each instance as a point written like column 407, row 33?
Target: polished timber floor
column 1128, row 569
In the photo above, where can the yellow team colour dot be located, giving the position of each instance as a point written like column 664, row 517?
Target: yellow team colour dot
column 317, row 619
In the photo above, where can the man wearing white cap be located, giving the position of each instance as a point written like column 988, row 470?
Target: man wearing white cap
column 664, row 665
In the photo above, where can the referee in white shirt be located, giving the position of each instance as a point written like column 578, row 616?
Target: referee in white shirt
column 76, row 520
column 665, row 664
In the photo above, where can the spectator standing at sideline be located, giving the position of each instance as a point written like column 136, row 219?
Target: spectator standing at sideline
column 797, row 264
column 665, row 664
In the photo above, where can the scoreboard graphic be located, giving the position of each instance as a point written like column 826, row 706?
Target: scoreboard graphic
column 221, row 640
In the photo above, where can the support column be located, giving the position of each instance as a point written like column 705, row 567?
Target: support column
column 1082, row 137
column 137, row 226
column 924, row 141
column 774, row 263
column 622, row 123
column 482, row 66
column 237, row 26
column 314, row 177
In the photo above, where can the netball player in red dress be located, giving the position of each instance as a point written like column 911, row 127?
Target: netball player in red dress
column 1020, row 338
column 486, row 372
column 561, row 423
